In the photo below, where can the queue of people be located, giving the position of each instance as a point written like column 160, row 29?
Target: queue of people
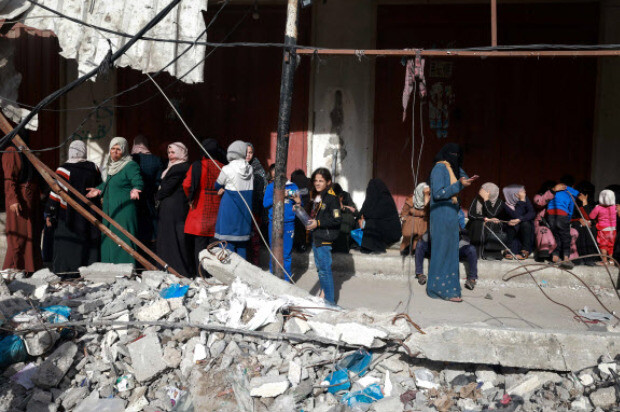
column 178, row 209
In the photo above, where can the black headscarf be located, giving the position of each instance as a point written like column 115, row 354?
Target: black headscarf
column 213, row 148
column 587, row 188
column 453, row 154
column 379, row 203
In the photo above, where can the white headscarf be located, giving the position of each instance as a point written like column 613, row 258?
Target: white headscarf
column 77, row 152
column 493, row 191
column 181, row 151
column 113, row 167
column 607, row 198
column 418, row 196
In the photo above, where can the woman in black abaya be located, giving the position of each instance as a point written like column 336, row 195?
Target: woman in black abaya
column 379, row 218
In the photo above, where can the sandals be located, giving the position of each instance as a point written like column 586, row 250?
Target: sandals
column 470, row 284
column 507, row 255
column 457, row 300
column 421, row 279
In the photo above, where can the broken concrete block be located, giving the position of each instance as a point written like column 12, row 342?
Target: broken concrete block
column 586, row 379
column 389, row 404
column 73, row 396
column 146, row 357
column 605, row 368
column 40, row 342
column 604, row 398
column 106, row 272
column 268, row 386
column 296, row 325
column 529, row 385
column 153, row 278
column 154, row 311
column 172, row 357
column 38, row 406
column 349, row 332
column 294, row 372
column 580, row 404
column 425, row 379
column 54, row 368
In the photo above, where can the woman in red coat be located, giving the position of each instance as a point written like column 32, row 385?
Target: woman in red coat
column 204, row 201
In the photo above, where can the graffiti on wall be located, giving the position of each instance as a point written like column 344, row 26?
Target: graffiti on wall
column 97, row 126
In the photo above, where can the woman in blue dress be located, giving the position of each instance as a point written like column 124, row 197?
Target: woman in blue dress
column 447, row 180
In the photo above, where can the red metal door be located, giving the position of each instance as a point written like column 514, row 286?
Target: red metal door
column 519, row 120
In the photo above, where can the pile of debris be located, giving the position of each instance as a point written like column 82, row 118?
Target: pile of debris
column 113, row 342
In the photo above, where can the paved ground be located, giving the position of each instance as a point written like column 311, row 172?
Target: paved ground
column 510, row 306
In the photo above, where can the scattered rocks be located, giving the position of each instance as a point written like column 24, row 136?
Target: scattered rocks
column 269, row 386
column 146, row 357
column 54, row 368
column 604, row 398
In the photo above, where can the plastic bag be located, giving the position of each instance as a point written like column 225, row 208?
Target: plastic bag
column 12, row 350
column 370, row 394
column 357, row 362
column 301, row 214
column 337, row 381
column 356, row 235
column 174, row 291
column 61, row 313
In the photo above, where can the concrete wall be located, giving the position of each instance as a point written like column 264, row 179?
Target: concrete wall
column 342, row 94
column 100, row 127
column 605, row 167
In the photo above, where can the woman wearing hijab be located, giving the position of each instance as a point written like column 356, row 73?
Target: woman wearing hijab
column 379, row 220
column 485, row 213
column 204, row 202
column 520, row 214
column 172, row 211
column 235, row 181
column 582, row 224
column 258, row 193
column 447, row 180
column 120, row 191
column 76, row 240
column 151, row 168
column 415, row 218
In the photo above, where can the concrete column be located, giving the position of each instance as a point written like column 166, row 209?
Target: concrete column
column 605, row 169
column 100, row 127
column 342, row 94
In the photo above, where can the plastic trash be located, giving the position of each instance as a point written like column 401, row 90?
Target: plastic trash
column 60, row 313
column 337, row 381
column 24, row 376
column 356, row 235
column 357, row 399
column 12, row 350
column 357, row 362
column 180, row 400
column 174, row 291
column 301, row 214
column 125, row 383
column 591, row 315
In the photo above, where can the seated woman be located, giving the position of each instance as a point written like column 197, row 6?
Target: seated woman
column 379, row 221
column 484, row 215
column 545, row 242
column 415, row 218
column 350, row 215
column 520, row 213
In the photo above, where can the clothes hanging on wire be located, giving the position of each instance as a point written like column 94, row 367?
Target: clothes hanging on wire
column 414, row 72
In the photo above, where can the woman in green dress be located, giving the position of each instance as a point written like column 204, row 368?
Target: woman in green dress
column 119, row 191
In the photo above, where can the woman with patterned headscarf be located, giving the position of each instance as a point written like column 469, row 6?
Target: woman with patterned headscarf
column 173, row 206
column 76, row 240
column 120, row 191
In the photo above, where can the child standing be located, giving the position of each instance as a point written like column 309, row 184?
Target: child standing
column 605, row 215
column 325, row 227
column 291, row 198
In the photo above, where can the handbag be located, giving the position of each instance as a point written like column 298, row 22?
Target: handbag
column 491, row 242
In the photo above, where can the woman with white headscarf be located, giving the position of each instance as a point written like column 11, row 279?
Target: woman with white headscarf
column 120, row 191
column 415, row 218
column 485, row 213
column 76, row 241
column 172, row 212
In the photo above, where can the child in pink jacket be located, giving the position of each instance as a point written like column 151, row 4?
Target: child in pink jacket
column 605, row 215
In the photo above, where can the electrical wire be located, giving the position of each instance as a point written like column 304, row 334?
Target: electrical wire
column 541, row 46
column 256, row 225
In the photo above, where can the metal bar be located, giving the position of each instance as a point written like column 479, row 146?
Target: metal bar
column 494, row 23
column 41, row 168
column 284, row 124
column 465, row 53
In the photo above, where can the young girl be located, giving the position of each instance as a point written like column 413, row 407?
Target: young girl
column 325, row 227
column 605, row 215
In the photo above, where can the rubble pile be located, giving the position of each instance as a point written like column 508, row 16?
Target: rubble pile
column 158, row 343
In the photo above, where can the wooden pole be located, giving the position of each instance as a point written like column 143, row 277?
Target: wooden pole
column 493, row 23
column 49, row 176
column 284, row 123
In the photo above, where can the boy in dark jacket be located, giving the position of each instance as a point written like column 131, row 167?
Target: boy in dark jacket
column 325, row 227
